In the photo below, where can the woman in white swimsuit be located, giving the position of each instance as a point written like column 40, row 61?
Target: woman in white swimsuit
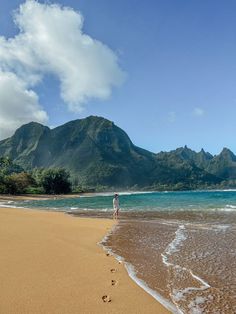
column 116, row 206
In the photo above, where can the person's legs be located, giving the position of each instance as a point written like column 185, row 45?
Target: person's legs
column 115, row 214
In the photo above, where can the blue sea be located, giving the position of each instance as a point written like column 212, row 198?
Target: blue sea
column 178, row 246
column 141, row 202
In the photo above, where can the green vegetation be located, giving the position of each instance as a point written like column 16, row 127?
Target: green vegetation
column 14, row 180
column 53, row 181
column 17, row 183
column 100, row 156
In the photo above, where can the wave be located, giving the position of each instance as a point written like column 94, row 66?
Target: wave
column 120, row 193
column 231, row 206
column 132, row 273
column 173, row 247
column 227, row 208
column 10, row 206
column 78, row 209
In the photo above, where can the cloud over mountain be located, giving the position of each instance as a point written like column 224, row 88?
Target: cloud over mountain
column 51, row 41
column 18, row 105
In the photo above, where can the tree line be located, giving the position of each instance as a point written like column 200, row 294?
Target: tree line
column 15, row 180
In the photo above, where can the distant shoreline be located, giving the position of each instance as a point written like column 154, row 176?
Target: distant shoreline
column 22, row 197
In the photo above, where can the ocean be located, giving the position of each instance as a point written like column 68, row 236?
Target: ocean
column 178, row 246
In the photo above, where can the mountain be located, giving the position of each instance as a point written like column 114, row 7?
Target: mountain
column 183, row 166
column 25, row 146
column 97, row 152
column 223, row 165
column 200, row 159
column 94, row 150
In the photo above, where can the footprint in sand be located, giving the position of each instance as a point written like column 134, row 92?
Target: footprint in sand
column 114, row 282
column 113, row 270
column 106, row 299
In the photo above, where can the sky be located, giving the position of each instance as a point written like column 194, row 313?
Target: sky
column 162, row 70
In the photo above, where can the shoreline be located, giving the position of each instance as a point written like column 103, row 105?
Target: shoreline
column 51, row 263
column 22, row 197
column 132, row 274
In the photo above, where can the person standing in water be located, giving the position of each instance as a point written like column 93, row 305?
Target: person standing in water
column 116, row 206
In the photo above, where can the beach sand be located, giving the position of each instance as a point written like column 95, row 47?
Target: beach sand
column 50, row 263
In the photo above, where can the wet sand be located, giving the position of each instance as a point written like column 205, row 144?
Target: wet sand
column 50, row 263
column 190, row 261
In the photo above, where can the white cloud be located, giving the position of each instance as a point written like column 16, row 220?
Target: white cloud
column 198, row 112
column 13, row 92
column 51, row 40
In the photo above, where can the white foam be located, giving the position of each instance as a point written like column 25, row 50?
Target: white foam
column 91, row 209
column 231, row 206
column 178, row 295
column 169, row 306
column 222, row 227
column 194, row 305
column 218, row 190
column 174, row 245
column 120, row 193
column 205, row 285
column 227, row 208
column 136, row 192
column 106, row 210
column 10, row 206
column 105, row 238
column 172, row 248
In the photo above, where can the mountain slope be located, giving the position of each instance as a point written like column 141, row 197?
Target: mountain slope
column 24, row 146
column 93, row 149
column 223, row 165
column 97, row 152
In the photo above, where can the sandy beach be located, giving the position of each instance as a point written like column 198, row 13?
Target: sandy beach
column 50, row 263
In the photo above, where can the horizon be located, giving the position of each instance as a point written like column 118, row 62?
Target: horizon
column 162, row 71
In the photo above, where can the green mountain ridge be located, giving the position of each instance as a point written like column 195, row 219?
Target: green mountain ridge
column 97, row 152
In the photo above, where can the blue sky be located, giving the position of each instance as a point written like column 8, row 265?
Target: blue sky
column 180, row 63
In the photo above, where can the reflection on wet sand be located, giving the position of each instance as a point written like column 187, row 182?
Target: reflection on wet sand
column 188, row 258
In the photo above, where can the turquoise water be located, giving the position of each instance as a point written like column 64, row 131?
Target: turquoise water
column 139, row 202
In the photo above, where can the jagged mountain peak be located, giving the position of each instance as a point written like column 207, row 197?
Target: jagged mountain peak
column 205, row 155
column 185, row 153
column 227, row 154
